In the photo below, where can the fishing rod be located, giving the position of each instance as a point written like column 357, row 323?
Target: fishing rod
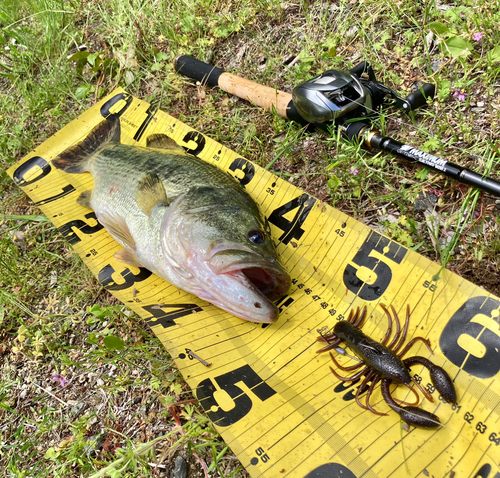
column 346, row 99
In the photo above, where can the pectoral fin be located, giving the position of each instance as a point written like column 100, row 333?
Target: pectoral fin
column 128, row 257
column 118, row 228
column 150, row 193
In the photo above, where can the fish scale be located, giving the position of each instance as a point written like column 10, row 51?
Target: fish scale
column 182, row 218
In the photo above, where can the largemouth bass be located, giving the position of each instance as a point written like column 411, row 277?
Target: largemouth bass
column 182, row 218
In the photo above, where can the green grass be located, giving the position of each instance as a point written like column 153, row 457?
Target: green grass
column 57, row 57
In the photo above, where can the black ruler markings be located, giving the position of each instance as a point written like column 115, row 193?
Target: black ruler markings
column 387, row 456
column 480, row 460
column 272, row 185
column 307, row 415
column 281, row 387
column 210, row 152
column 485, row 300
column 332, row 227
column 222, row 319
column 396, row 444
column 286, row 392
column 426, row 434
column 289, row 341
column 217, row 342
column 225, row 325
column 340, row 288
column 324, row 249
column 478, row 390
column 324, row 288
column 193, row 321
column 454, row 439
column 319, row 248
column 257, row 186
column 301, row 343
column 280, row 198
column 459, row 434
column 325, row 430
column 464, row 454
column 472, row 385
column 256, row 337
column 274, row 330
column 331, row 436
column 210, row 354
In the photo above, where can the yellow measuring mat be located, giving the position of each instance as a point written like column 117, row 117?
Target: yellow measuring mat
column 271, row 396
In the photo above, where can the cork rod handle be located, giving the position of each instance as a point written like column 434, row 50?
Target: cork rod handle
column 265, row 97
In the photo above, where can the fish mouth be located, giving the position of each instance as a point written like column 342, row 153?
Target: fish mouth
column 271, row 282
column 261, row 280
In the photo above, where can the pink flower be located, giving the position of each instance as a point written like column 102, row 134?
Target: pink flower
column 460, row 95
column 354, row 171
column 63, row 381
column 478, row 36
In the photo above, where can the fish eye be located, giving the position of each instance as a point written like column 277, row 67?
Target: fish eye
column 257, row 237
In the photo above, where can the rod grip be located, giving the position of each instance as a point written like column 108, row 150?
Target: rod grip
column 263, row 96
column 198, row 70
column 268, row 98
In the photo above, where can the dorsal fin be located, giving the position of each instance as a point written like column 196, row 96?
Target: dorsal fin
column 162, row 141
column 74, row 159
column 150, row 193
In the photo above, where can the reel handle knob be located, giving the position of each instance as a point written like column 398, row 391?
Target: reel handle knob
column 419, row 98
column 360, row 68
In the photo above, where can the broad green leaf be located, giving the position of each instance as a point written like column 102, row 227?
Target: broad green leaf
column 176, row 388
column 114, row 343
column 93, row 57
column 82, row 92
column 333, row 183
column 438, row 28
column 457, row 46
column 97, row 311
column 444, row 88
column 129, row 77
column 167, row 400
column 50, row 454
column 431, row 144
column 161, row 56
column 494, row 55
column 79, row 55
column 454, row 14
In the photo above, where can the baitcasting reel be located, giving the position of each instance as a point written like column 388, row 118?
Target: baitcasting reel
column 345, row 98
column 338, row 95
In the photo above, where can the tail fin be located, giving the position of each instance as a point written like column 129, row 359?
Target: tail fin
column 75, row 159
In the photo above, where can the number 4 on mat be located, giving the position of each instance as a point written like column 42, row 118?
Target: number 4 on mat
column 292, row 228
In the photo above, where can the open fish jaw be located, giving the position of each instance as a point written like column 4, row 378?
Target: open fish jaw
column 243, row 298
column 182, row 218
column 271, row 282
